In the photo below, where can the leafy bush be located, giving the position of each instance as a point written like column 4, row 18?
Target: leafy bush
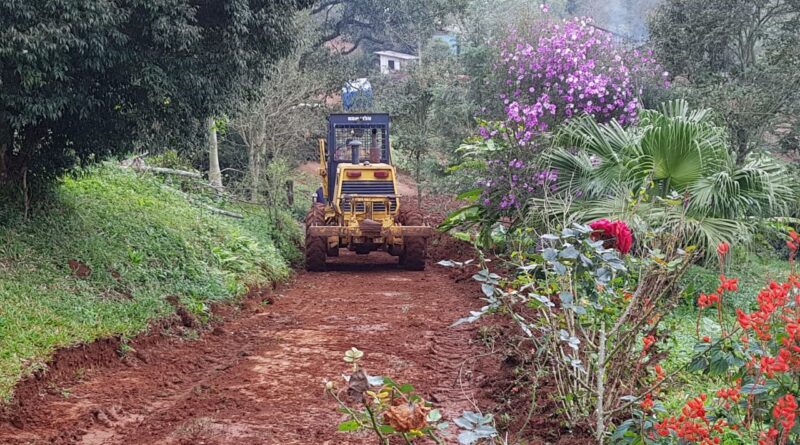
column 389, row 409
column 381, row 405
column 587, row 310
column 756, row 356
column 170, row 159
column 508, row 177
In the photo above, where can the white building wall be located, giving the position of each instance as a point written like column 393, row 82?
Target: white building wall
column 385, row 64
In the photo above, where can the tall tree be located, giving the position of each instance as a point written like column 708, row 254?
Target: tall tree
column 214, row 172
column 739, row 57
column 430, row 108
column 80, row 79
column 288, row 110
column 402, row 24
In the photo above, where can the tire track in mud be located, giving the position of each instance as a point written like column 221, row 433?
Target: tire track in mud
column 257, row 379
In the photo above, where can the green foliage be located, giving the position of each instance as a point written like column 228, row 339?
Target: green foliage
column 586, row 310
column 142, row 242
column 741, row 367
column 278, row 225
column 754, row 273
column 404, row 24
column 739, row 57
column 170, row 159
column 673, row 169
column 431, row 113
column 82, row 80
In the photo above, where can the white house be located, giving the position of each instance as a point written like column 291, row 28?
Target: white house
column 394, row 61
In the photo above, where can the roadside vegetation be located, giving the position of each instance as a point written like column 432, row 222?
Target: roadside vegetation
column 107, row 250
column 646, row 234
column 630, row 169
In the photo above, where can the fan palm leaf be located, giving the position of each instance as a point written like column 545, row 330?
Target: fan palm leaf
column 679, row 159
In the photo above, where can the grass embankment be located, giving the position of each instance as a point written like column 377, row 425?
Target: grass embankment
column 142, row 242
column 753, row 273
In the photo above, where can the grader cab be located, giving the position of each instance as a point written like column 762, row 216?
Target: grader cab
column 358, row 208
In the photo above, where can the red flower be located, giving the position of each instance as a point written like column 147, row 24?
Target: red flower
column 707, row 339
column 617, row 233
column 728, row 284
column 785, row 411
column 707, row 300
column 648, row 341
column 731, row 394
column 768, row 438
column 659, row 372
column 695, row 408
column 692, row 425
column 743, row 319
column 647, row 404
column 722, row 249
column 771, row 365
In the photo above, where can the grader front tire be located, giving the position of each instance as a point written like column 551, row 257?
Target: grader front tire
column 413, row 256
column 316, row 247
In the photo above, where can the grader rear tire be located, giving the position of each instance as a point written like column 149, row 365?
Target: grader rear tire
column 413, row 256
column 316, row 246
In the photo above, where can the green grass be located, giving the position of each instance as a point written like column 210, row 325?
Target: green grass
column 753, row 273
column 117, row 223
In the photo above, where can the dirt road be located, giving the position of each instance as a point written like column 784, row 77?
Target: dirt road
column 257, row 379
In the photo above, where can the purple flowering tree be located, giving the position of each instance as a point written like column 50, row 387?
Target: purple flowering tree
column 549, row 72
column 558, row 69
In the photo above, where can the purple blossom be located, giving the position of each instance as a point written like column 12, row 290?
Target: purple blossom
column 509, row 184
column 560, row 69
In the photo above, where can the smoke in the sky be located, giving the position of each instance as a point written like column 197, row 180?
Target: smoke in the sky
column 625, row 17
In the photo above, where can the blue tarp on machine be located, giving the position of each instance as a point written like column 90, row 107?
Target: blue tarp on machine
column 357, row 95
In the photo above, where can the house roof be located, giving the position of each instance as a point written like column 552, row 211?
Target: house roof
column 397, row 55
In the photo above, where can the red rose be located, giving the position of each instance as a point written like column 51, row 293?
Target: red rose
column 617, row 233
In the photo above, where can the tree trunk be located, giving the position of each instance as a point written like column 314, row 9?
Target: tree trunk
column 214, row 173
column 254, row 170
column 419, row 53
column 742, row 145
column 600, row 416
column 256, row 147
column 418, row 179
column 6, row 141
column 290, row 193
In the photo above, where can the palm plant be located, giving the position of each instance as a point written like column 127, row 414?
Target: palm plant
column 672, row 171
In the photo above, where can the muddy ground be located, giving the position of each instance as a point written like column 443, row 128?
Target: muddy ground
column 258, row 378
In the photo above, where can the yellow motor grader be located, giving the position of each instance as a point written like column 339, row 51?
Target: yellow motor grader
column 358, row 208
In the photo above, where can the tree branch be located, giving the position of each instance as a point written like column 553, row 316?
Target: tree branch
column 357, row 43
column 166, row 171
column 325, row 5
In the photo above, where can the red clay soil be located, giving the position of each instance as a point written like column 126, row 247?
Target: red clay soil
column 258, row 378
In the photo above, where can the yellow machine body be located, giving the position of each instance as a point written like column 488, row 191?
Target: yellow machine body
column 368, row 219
column 357, row 207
